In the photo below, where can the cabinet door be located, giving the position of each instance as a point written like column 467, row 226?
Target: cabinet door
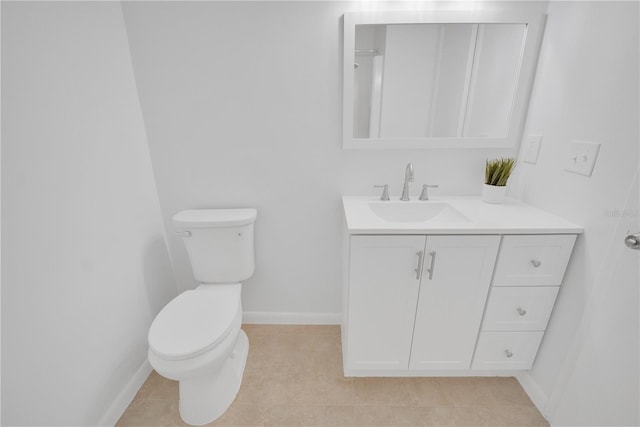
column 383, row 291
column 455, row 282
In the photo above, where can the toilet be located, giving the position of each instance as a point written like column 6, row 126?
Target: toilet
column 196, row 339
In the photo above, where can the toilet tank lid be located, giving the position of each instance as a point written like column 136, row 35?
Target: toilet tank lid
column 204, row 218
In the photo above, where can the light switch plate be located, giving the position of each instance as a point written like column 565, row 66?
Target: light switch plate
column 532, row 148
column 581, row 157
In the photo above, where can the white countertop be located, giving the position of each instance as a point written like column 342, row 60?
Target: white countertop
column 511, row 217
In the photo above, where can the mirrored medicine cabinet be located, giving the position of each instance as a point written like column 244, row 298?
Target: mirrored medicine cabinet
column 438, row 79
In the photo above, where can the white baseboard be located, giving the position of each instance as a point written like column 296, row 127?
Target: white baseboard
column 535, row 393
column 291, row 318
column 122, row 401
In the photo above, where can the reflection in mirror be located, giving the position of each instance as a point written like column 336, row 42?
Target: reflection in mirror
column 431, row 80
column 439, row 78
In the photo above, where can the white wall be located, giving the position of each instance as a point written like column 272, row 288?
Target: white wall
column 85, row 265
column 243, row 107
column 587, row 89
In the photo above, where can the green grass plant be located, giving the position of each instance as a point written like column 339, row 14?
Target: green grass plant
column 497, row 171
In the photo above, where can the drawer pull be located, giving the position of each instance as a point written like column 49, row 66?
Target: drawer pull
column 433, row 261
column 508, row 353
column 418, row 269
column 536, row 263
column 521, row 311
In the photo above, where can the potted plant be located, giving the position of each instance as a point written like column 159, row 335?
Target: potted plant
column 496, row 175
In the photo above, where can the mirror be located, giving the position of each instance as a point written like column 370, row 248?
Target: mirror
column 413, row 80
column 435, row 80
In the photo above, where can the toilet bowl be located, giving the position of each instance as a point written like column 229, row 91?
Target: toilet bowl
column 197, row 338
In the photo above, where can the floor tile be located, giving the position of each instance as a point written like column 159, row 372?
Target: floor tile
column 384, row 391
column 467, row 392
column 508, row 392
column 427, row 392
column 158, row 387
column 294, row 377
column 293, row 415
column 241, row 416
column 150, row 412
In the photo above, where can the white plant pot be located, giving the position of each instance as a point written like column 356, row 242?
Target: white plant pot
column 493, row 193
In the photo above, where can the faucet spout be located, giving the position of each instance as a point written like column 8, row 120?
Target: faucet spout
column 408, row 177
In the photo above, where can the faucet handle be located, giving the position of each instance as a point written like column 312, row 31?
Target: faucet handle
column 425, row 191
column 385, row 191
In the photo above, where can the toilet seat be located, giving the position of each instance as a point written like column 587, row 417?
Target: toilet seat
column 194, row 322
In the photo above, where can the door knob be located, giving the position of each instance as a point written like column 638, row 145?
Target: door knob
column 632, row 241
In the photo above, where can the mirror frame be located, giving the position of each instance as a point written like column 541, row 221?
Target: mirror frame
column 533, row 39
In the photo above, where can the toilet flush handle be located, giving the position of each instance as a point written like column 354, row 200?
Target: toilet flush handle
column 183, row 233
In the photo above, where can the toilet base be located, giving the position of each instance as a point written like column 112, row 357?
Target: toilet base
column 203, row 400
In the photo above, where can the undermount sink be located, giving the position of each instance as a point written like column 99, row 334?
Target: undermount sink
column 416, row 212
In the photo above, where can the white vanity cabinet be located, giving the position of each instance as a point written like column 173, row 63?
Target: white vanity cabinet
column 416, row 302
column 452, row 287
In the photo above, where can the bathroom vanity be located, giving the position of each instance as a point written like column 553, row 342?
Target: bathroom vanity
column 448, row 287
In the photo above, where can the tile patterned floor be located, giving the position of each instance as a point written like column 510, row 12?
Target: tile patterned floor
column 294, row 377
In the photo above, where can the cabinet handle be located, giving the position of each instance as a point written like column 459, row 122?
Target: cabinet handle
column 418, row 269
column 521, row 311
column 433, row 261
column 536, row 263
column 508, row 353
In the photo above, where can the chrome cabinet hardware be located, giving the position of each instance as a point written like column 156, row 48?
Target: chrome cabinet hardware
column 508, row 353
column 183, row 233
column 418, row 269
column 433, row 261
column 521, row 311
column 536, row 263
column 385, row 191
column 425, row 191
column 632, row 241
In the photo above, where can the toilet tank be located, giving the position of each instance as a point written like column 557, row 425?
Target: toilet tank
column 219, row 243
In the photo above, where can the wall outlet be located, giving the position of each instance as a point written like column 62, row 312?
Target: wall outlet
column 582, row 157
column 532, row 148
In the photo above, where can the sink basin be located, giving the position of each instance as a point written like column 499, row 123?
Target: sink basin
column 416, row 212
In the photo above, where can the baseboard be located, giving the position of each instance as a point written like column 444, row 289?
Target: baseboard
column 425, row 373
column 125, row 397
column 291, row 318
column 535, row 393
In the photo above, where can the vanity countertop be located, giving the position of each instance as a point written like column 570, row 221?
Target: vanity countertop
column 477, row 217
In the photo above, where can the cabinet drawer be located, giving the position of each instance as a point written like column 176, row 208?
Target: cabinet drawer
column 533, row 260
column 506, row 350
column 519, row 308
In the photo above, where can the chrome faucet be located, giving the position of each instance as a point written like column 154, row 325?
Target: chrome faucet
column 408, row 177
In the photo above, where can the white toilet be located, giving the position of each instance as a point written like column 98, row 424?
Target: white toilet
column 196, row 339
